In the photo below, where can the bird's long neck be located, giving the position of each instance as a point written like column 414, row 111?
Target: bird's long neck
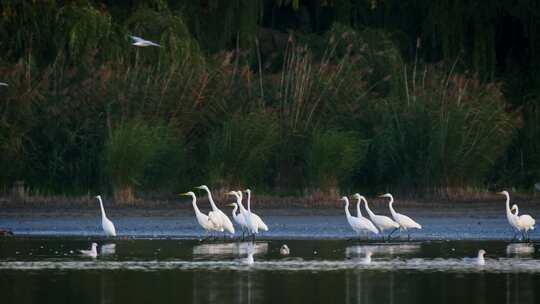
column 358, row 212
column 371, row 214
column 234, row 210
column 214, row 207
column 102, row 209
column 391, row 205
column 249, row 201
column 508, row 213
column 194, row 203
column 347, row 213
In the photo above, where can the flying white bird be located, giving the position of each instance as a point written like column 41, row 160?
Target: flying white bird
column 382, row 222
column 138, row 41
column 405, row 222
column 358, row 224
column 217, row 216
column 90, row 253
column 108, row 226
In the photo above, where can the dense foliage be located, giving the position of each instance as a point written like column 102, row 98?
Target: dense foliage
column 286, row 96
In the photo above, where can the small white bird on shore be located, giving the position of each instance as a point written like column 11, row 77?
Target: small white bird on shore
column 90, row 253
column 405, row 222
column 140, row 42
column 284, row 250
column 106, row 224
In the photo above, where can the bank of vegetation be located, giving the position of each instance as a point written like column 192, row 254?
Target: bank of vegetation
column 288, row 97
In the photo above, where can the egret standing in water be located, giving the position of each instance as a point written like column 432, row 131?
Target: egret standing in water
column 358, row 224
column 219, row 218
column 256, row 219
column 108, row 226
column 512, row 218
column 90, row 253
column 382, row 222
column 238, row 217
column 405, row 222
column 524, row 222
column 202, row 218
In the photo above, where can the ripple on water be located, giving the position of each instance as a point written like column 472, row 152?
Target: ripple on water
column 501, row 265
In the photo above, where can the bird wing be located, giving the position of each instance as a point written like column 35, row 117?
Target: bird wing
column 527, row 221
column 259, row 222
column 407, row 222
column 136, row 39
column 215, row 221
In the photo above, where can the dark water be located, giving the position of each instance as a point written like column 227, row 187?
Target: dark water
column 159, row 259
column 41, row 270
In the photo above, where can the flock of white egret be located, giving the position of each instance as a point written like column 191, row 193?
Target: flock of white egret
column 250, row 223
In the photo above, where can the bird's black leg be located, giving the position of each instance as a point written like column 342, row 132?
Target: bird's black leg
column 390, row 235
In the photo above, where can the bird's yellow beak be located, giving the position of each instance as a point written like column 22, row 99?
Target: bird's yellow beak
column 185, row 193
column 231, row 205
column 500, row 192
column 231, row 193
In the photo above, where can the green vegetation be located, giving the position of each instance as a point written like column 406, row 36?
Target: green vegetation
column 287, row 97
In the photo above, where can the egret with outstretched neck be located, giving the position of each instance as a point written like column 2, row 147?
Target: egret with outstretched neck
column 382, row 222
column 512, row 218
column 358, row 224
column 219, row 218
column 256, row 219
column 202, row 218
column 405, row 222
column 106, row 224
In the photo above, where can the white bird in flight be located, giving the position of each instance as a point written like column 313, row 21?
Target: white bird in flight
column 358, row 224
column 405, row 222
column 202, row 218
column 106, row 224
column 382, row 222
column 217, row 216
column 138, row 41
column 90, row 253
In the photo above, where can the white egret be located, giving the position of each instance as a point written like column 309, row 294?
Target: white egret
column 524, row 222
column 382, row 222
column 108, row 226
column 405, row 222
column 90, row 253
column 238, row 217
column 256, row 219
column 284, row 250
column 479, row 260
column 512, row 218
column 358, row 224
column 219, row 218
column 138, row 41
column 202, row 218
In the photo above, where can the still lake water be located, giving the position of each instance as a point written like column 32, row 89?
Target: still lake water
column 159, row 260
